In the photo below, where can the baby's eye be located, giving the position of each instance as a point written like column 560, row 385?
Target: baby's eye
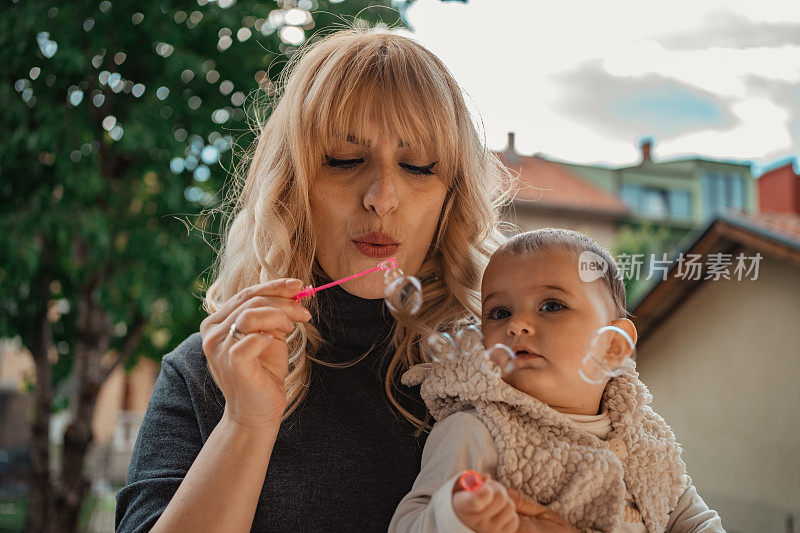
column 498, row 313
column 552, row 307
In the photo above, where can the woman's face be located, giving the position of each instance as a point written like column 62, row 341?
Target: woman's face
column 374, row 198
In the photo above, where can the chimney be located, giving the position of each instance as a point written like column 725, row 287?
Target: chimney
column 510, row 153
column 646, row 146
column 510, row 149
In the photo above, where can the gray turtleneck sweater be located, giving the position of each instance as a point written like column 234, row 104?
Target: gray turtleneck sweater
column 342, row 461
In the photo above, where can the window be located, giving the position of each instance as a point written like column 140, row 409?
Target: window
column 657, row 203
column 680, row 203
column 721, row 191
column 630, row 195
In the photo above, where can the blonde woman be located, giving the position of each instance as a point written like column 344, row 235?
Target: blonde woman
column 275, row 417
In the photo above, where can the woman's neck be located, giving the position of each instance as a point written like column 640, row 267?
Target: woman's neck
column 348, row 321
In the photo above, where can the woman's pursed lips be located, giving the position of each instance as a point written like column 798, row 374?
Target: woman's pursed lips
column 377, row 238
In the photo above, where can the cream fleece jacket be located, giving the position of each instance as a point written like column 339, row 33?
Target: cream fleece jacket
column 460, row 442
column 547, row 456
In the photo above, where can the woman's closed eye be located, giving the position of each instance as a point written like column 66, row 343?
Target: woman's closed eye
column 344, row 164
column 425, row 170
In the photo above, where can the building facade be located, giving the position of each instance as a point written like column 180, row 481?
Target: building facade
column 682, row 192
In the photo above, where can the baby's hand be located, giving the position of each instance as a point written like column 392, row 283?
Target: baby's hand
column 488, row 509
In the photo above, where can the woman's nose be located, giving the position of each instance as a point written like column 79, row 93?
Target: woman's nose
column 519, row 327
column 381, row 195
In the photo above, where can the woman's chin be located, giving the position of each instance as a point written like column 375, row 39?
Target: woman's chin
column 367, row 289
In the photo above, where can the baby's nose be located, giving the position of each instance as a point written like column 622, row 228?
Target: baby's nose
column 520, row 327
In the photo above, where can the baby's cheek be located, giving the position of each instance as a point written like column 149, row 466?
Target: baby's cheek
column 491, row 335
column 573, row 349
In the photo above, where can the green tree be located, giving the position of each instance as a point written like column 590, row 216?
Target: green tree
column 117, row 118
column 640, row 243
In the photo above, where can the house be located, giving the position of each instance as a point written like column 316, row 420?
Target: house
column 779, row 190
column 719, row 349
column 118, row 413
column 550, row 194
column 16, row 370
column 685, row 192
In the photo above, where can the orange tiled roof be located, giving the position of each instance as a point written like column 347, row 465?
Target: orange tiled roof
column 786, row 224
column 551, row 184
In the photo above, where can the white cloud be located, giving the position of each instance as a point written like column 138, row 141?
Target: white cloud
column 763, row 129
column 719, row 70
column 509, row 56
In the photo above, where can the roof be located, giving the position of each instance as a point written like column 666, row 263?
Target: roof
column 699, row 159
column 770, row 234
column 779, row 166
column 553, row 185
column 781, row 226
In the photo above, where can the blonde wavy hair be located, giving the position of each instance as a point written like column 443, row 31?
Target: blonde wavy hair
column 331, row 89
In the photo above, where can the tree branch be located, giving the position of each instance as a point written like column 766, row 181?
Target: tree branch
column 129, row 345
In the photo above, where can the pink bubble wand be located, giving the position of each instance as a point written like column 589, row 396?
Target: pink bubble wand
column 310, row 291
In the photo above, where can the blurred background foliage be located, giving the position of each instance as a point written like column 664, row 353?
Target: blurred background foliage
column 122, row 124
column 119, row 124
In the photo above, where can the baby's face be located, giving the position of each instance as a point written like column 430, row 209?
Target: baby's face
column 537, row 305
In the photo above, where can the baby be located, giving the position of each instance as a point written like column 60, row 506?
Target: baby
column 594, row 453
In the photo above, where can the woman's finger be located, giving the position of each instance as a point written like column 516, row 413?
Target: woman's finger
column 256, row 319
column 294, row 310
column 546, row 522
column 524, row 503
column 507, row 519
column 500, row 500
column 252, row 317
column 249, row 348
column 285, row 287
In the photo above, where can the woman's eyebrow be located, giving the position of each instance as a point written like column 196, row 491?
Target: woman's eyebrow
column 355, row 140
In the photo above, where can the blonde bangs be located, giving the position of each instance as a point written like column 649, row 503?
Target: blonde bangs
column 378, row 82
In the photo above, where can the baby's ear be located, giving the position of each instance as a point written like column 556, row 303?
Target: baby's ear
column 620, row 348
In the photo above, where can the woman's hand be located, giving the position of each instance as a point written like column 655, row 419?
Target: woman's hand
column 488, row 509
column 251, row 370
column 535, row 517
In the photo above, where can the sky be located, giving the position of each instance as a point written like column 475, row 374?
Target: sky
column 585, row 81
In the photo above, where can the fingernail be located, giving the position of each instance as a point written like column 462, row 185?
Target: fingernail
column 306, row 314
column 293, row 283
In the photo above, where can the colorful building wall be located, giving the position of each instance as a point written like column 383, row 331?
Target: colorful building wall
column 779, row 190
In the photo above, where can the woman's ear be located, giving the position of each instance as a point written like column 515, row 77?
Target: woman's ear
column 620, row 348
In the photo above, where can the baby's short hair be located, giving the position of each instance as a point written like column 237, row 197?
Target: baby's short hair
column 574, row 241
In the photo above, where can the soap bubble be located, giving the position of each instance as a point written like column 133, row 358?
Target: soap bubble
column 440, row 346
column 469, row 340
column 404, row 295
column 505, row 362
column 500, row 360
column 391, row 275
column 610, row 353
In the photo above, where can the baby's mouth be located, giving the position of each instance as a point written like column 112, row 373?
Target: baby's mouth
column 525, row 354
